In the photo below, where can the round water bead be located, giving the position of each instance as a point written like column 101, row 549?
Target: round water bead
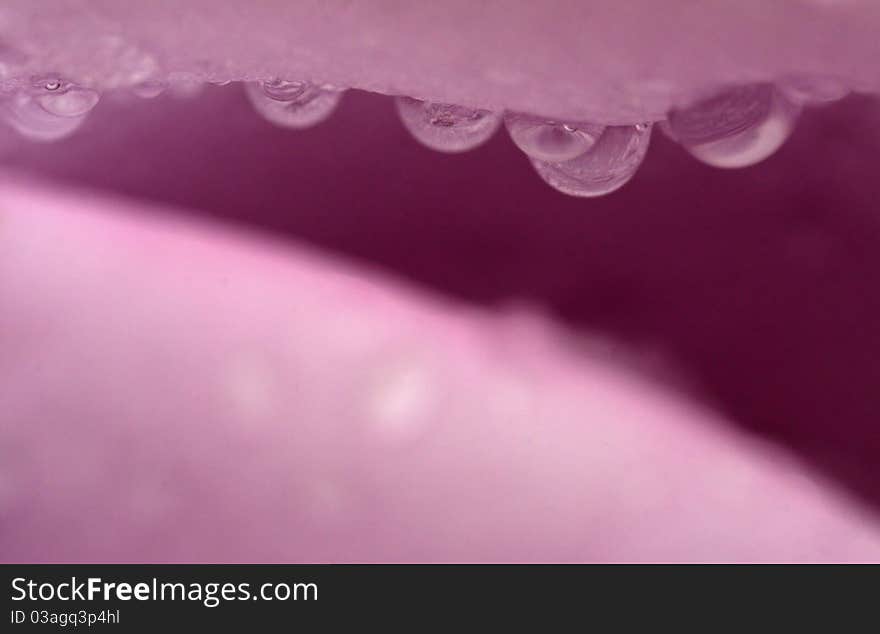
column 736, row 128
column 550, row 140
column 293, row 104
column 606, row 166
column 50, row 109
column 813, row 89
column 447, row 127
column 150, row 88
column 64, row 99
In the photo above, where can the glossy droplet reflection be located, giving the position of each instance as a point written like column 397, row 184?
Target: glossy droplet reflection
column 65, row 100
column 50, row 109
column 150, row 88
column 813, row 89
column 293, row 104
column 549, row 140
column 446, row 127
column 611, row 161
column 737, row 128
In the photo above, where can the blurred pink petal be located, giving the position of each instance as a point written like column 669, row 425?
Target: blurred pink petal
column 174, row 392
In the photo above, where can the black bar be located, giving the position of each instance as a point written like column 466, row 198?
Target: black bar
column 333, row 594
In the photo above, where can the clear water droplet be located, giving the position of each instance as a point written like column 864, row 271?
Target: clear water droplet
column 446, row 127
column 550, row 140
column 25, row 115
column 813, row 89
column 50, row 110
column 71, row 101
column 292, row 104
column 606, row 166
column 736, row 128
column 149, row 89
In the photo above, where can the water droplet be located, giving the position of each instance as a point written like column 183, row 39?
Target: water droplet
column 606, row 166
column 150, row 89
column 64, row 99
column 813, row 89
column 292, row 104
column 446, row 127
column 50, row 110
column 550, row 140
column 737, row 128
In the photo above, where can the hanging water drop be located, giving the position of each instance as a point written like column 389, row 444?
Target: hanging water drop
column 50, row 109
column 737, row 128
column 150, row 88
column 63, row 98
column 293, row 104
column 611, row 161
column 446, row 127
column 550, row 140
column 813, row 89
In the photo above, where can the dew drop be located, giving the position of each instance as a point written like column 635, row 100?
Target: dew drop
column 611, row 161
column 67, row 100
column 813, row 89
column 292, row 104
column 549, row 140
column 446, row 127
column 150, row 89
column 737, row 128
column 50, row 110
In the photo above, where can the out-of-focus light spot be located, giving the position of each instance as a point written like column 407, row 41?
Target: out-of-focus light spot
column 400, row 397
